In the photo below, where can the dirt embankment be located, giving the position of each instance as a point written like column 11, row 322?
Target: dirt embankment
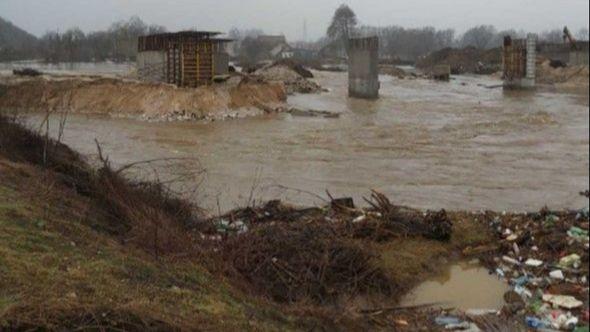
column 567, row 76
column 238, row 97
column 465, row 60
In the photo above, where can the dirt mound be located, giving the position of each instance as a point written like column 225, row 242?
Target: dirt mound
column 151, row 101
column 550, row 74
column 297, row 67
column 466, row 60
column 393, row 71
column 291, row 75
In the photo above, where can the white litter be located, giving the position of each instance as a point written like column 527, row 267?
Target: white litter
column 533, row 262
column 567, row 302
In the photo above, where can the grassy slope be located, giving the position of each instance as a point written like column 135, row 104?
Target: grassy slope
column 54, row 271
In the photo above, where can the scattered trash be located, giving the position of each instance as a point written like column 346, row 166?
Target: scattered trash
column 447, row 320
column 546, row 299
column 463, row 326
column 516, row 249
column 550, row 220
column 557, row 274
column 583, row 214
column 359, row 219
column 535, row 323
column 481, row 312
column 562, row 321
column 512, row 237
column 563, row 301
column 578, row 234
column 510, row 260
column 571, row 261
column 523, row 292
column 533, row 262
column 521, row 281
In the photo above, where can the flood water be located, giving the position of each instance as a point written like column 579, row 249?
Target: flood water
column 462, row 286
column 71, row 68
column 456, row 145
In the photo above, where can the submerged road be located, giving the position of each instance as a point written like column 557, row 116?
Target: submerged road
column 456, row 145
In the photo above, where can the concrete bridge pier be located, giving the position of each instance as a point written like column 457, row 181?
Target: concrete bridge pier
column 363, row 68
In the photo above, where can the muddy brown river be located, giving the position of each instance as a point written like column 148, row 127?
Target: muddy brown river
column 457, row 145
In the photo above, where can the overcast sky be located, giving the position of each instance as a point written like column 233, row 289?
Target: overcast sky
column 287, row 16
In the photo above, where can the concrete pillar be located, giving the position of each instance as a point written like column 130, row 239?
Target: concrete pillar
column 220, row 64
column 531, row 62
column 363, row 68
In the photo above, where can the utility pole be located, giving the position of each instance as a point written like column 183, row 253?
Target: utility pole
column 304, row 30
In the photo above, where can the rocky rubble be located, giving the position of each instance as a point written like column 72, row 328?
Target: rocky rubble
column 294, row 78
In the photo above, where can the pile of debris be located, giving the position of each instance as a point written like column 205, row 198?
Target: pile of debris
column 394, row 71
column 295, row 77
column 290, row 254
column 544, row 257
column 295, row 261
column 400, row 73
column 462, row 61
column 27, row 72
column 312, row 113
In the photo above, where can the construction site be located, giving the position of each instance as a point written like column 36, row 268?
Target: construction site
column 244, row 182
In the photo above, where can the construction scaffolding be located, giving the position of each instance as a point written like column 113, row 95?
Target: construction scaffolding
column 187, row 59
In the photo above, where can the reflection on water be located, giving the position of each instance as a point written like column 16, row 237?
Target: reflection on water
column 426, row 144
column 461, row 286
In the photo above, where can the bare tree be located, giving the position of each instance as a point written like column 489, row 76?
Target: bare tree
column 552, row 36
column 479, row 36
column 342, row 26
column 118, row 43
column 582, row 34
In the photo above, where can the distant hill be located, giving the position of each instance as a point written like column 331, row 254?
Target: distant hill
column 16, row 43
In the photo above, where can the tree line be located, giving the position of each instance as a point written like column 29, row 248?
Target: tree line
column 409, row 44
column 117, row 43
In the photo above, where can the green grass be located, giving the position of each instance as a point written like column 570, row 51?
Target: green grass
column 411, row 260
column 53, row 268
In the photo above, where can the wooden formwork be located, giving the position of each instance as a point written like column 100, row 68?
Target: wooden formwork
column 514, row 58
column 190, row 56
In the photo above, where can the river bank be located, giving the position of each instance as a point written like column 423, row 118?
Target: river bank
column 116, row 97
column 478, row 148
column 130, row 254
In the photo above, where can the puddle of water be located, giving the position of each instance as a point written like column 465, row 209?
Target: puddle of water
column 462, row 286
